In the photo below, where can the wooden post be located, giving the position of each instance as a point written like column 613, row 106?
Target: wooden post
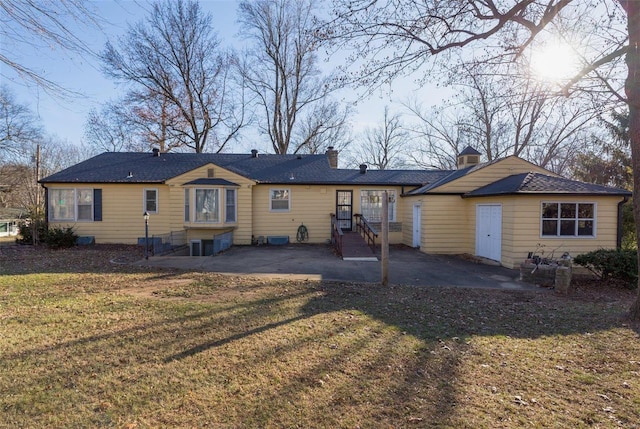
column 35, row 222
column 385, row 239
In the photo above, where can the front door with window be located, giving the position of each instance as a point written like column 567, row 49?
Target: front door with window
column 344, row 209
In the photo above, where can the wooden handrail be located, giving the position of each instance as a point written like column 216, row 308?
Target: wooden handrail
column 368, row 232
column 336, row 234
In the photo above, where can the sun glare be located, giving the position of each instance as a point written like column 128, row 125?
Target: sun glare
column 554, row 62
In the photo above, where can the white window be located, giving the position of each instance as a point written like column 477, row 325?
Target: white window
column 230, row 205
column 84, row 199
column 187, row 205
column 280, row 200
column 151, row 200
column 62, row 204
column 371, row 205
column 70, row 205
column 207, row 205
column 568, row 219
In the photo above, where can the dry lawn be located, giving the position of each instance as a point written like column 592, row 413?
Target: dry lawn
column 89, row 341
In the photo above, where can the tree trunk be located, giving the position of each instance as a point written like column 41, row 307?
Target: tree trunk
column 632, row 88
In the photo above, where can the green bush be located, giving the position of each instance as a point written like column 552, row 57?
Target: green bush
column 58, row 238
column 618, row 264
column 26, row 229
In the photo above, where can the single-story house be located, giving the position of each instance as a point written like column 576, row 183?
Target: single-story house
column 9, row 221
column 500, row 210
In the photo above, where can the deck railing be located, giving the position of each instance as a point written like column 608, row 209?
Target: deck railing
column 367, row 231
column 336, row 234
column 165, row 243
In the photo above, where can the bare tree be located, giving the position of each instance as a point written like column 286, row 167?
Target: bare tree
column 281, row 70
column 501, row 116
column 44, row 26
column 412, row 31
column 382, row 146
column 438, row 136
column 327, row 126
column 110, row 129
column 174, row 57
column 18, row 126
column 19, row 177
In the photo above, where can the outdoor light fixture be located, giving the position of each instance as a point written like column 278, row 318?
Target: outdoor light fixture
column 146, row 235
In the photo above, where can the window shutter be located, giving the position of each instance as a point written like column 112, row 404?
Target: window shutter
column 97, row 205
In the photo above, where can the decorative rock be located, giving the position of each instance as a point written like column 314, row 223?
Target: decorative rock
column 563, row 280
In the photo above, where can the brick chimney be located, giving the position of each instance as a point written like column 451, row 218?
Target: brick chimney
column 332, row 155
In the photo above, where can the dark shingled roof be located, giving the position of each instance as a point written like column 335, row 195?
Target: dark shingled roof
column 469, row 151
column 129, row 167
column 537, row 183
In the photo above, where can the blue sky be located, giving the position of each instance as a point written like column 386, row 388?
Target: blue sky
column 65, row 118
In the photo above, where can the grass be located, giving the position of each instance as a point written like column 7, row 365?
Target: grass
column 85, row 342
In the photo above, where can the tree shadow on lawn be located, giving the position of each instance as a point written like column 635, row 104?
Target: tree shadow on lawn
column 310, row 354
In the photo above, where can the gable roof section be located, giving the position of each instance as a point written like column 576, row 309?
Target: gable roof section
column 537, row 183
column 451, row 176
column 130, row 167
column 502, row 165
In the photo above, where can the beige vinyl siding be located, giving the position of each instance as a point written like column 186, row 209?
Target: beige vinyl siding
column 446, row 225
column 449, row 225
column 122, row 210
column 310, row 205
column 489, row 174
column 406, row 236
column 525, row 232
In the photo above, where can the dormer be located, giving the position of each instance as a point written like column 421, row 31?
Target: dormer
column 468, row 158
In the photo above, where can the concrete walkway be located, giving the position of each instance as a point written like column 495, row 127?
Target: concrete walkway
column 318, row 262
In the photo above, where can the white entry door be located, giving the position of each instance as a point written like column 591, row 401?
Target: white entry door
column 489, row 231
column 417, row 225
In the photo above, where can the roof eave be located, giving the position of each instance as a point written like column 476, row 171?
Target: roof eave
column 567, row 194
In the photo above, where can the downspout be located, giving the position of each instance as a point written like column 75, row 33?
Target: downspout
column 619, row 237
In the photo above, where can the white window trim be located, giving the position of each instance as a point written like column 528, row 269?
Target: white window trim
column 271, row 209
column 235, row 205
column 579, row 237
column 91, row 212
column 144, row 201
column 75, row 206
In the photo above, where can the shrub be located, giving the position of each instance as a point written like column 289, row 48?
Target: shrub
column 58, row 238
column 26, row 229
column 618, row 264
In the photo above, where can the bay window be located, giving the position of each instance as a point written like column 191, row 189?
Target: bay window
column 207, row 205
column 230, row 206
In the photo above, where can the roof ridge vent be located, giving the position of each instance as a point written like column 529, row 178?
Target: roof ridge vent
column 254, row 153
